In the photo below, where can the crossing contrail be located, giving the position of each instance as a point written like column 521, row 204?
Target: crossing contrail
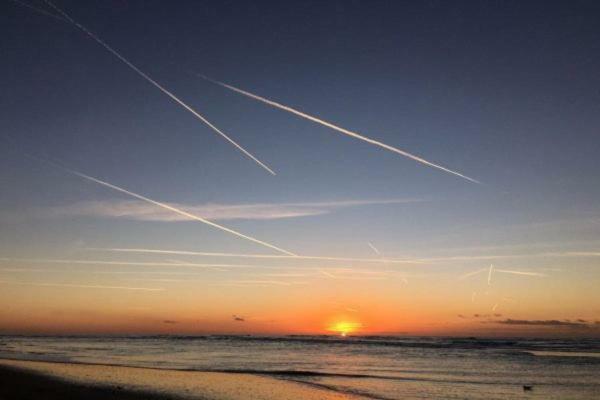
column 159, row 86
column 337, row 128
column 170, row 208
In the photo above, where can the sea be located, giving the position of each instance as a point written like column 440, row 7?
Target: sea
column 374, row 367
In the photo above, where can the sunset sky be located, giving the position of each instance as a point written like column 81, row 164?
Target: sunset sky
column 505, row 93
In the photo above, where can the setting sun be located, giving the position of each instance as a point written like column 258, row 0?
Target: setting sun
column 345, row 327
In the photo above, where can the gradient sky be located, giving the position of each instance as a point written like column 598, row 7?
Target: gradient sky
column 504, row 92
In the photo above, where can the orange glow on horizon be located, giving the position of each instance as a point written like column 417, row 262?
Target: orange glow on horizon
column 345, row 327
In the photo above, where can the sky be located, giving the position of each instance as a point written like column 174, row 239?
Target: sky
column 122, row 211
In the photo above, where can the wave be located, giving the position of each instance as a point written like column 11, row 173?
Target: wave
column 297, row 374
column 516, row 346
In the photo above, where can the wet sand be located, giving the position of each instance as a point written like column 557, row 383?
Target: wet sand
column 33, row 380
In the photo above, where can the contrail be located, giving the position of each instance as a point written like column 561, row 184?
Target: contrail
column 337, row 128
column 374, row 248
column 159, row 86
column 465, row 276
column 82, row 286
column 168, row 207
column 41, row 11
column 490, row 274
column 130, row 263
column 327, row 274
column 244, row 283
column 506, row 271
column 183, row 263
column 277, row 256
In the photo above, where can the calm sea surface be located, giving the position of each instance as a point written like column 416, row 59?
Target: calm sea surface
column 376, row 367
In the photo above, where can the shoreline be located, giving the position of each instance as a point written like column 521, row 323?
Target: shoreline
column 33, row 380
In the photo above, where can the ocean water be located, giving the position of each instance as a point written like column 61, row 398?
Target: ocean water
column 374, row 367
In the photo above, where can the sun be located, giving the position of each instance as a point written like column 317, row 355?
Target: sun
column 345, row 327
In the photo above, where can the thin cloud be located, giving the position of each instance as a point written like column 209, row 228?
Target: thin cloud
column 478, row 316
column 247, row 283
column 468, row 274
column 548, row 322
column 266, row 256
column 70, row 285
column 237, row 318
column 168, row 321
column 131, row 263
column 142, row 211
column 575, row 254
column 507, row 271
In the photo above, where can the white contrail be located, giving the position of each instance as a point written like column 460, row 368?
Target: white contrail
column 465, row 276
column 327, row 274
column 41, row 11
column 187, row 264
column 510, row 256
column 160, row 87
column 130, row 263
column 171, row 208
column 337, row 128
column 82, row 286
column 374, row 248
column 276, row 256
column 490, row 274
column 246, row 283
column 507, row 271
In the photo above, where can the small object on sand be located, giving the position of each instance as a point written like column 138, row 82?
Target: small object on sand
column 527, row 387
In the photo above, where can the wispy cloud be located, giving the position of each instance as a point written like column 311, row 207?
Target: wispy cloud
column 266, row 256
column 142, row 211
column 469, row 274
column 574, row 254
column 131, row 263
column 244, row 283
column 548, row 322
column 507, row 271
column 81, row 286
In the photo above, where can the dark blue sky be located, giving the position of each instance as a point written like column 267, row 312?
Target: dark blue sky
column 505, row 92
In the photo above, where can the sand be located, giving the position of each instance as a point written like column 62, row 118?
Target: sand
column 44, row 380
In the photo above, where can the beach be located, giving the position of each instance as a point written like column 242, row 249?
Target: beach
column 46, row 380
column 297, row 367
